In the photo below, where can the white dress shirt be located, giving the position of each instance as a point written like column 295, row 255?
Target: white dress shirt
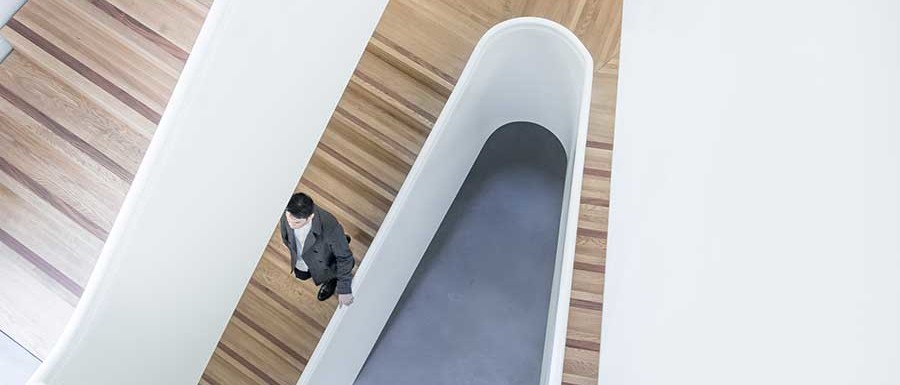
column 301, row 234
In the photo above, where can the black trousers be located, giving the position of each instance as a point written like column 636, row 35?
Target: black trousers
column 304, row 275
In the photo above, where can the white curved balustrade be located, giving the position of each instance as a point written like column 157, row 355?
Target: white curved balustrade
column 522, row 70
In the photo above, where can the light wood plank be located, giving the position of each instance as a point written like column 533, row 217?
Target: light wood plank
column 55, row 238
column 144, row 77
column 70, row 110
column 33, row 311
column 176, row 20
column 65, row 171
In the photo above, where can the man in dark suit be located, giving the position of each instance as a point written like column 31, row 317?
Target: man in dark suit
column 319, row 248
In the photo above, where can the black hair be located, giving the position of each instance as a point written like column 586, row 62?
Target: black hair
column 300, row 206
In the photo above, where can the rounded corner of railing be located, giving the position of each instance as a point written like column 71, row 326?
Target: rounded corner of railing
column 534, row 22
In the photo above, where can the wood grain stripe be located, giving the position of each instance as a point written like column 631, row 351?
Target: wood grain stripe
column 247, row 364
column 600, row 145
column 269, row 337
column 375, row 132
column 85, row 71
column 597, row 172
column 53, row 200
column 141, row 29
column 337, row 202
column 585, row 304
column 41, row 263
column 590, row 267
column 364, row 239
column 583, row 345
column 591, row 233
column 67, row 135
column 415, row 59
column 209, row 379
column 361, row 171
column 595, row 201
column 406, row 103
column 285, row 304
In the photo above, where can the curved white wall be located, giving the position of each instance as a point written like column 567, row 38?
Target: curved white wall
column 8, row 8
column 754, row 232
column 525, row 69
column 244, row 119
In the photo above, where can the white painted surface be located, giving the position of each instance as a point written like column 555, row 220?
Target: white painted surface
column 8, row 8
column 525, row 69
column 5, row 48
column 16, row 363
column 242, row 123
column 754, row 228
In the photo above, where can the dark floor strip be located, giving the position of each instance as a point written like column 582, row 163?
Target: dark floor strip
column 375, row 132
column 141, row 29
column 412, row 106
column 269, row 337
column 247, row 364
column 67, row 135
column 364, row 239
column 40, row 263
column 85, row 71
column 597, row 172
column 54, row 201
column 595, row 201
column 583, row 345
column 337, row 202
column 591, row 233
column 209, row 379
column 585, row 304
column 359, row 170
column 422, row 62
column 600, row 145
column 590, row 267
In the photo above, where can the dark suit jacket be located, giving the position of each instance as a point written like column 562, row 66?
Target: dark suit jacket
column 325, row 250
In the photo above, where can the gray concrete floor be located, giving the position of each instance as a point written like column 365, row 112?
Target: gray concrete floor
column 16, row 363
column 475, row 312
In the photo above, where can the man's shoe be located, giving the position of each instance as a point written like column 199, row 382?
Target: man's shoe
column 302, row 275
column 327, row 289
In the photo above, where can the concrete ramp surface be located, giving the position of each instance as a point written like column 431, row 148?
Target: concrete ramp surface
column 476, row 309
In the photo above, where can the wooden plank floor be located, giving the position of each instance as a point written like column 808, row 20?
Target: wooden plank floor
column 82, row 93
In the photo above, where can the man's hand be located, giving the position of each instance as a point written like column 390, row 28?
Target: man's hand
column 345, row 299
